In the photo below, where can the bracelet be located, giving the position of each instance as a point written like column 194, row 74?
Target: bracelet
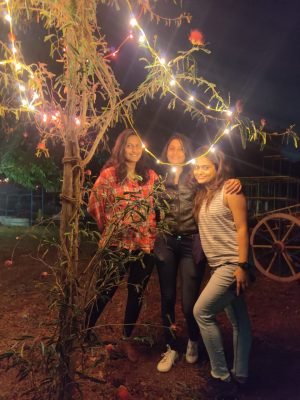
column 245, row 265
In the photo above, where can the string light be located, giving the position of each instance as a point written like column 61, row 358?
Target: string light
column 191, row 98
column 172, row 82
column 133, row 22
column 174, row 169
column 226, row 131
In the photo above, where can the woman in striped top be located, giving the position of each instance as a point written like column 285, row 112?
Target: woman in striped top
column 222, row 221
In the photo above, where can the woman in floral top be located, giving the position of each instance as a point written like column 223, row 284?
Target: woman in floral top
column 122, row 204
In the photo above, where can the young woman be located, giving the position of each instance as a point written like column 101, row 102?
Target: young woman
column 121, row 201
column 179, row 251
column 222, row 221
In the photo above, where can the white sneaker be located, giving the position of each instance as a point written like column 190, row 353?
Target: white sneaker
column 191, row 355
column 168, row 360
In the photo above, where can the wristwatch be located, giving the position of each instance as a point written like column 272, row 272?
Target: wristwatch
column 245, row 265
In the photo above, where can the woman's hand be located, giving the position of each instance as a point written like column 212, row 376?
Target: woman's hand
column 233, row 186
column 242, row 280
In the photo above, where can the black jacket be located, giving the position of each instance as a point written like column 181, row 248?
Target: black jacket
column 179, row 217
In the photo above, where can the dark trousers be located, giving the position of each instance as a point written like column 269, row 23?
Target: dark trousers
column 139, row 272
column 177, row 254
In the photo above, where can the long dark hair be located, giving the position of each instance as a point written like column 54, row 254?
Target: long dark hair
column 117, row 159
column 224, row 172
column 186, row 145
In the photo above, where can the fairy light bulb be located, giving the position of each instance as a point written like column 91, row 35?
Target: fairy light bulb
column 229, row 113
column 158, row 161
column 191, row 98
column 45, row 117
column 142, row 38
column 77, row 121
column 226, row 131
column 8, row 18
column 17, row 66
column 162, row 60
column 212, row 149
column 143, row 145
column 172, row 82
column 174, row 169
column 192, row 161
column 22, row 88
column 133, row 22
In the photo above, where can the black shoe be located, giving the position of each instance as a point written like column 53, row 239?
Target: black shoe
column 224, row 389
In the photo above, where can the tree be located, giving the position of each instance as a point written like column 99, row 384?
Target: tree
column 80, row 97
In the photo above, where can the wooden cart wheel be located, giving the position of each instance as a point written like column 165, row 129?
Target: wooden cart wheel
column 275, row 243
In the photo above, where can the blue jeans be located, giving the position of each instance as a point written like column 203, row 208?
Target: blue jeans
column 177, row 254
column 216, row 297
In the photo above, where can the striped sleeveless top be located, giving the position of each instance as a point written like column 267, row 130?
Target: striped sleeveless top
column 218, row 232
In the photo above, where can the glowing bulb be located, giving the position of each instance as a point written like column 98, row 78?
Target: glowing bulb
column 14, row 50
column 45, row 117
column 133, row 22
column 77, row 121
column 130, row 36
column 174, row 169
column 143, row 145
column 17, row 66
column 191, row 98
column 212, row 149
column 54, row 117
column 57, row 113
column 8, row 17
column 24, row 102
column 229, row 113
column 172, row 82
column 158, row 161
column 114, row 54
column 31, row 107
column 22, row 88
column 35, row 96
column 162, row 61
column 208, row 107
column 192, row 161
column 142, row 38
column 226, row 131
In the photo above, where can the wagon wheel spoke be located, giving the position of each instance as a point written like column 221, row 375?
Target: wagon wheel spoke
column 271, row 262
column 270, row 231
column 288, row 232
column 289, row 263
column 292, row 247
column 262, row 246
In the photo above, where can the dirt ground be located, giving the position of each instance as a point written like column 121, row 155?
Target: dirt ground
column 275, row 360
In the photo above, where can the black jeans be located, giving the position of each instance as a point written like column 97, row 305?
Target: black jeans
column 139, row 272
column 175, row 253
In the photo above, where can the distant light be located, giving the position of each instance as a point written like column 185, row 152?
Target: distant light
column 191, row 98
column 229, row 113
column 24, row 102
column 77, row 121
column 158, row 161
column 133, row 22
column 174, row 169
column 131, row 36
column 14, row 50
column 22, row 88
column 172, row 82
column 17, row 66
column 212, row 149
column 162, row 60
column 226, row 131
column 192, row 161
column 45, row 117
column 143, row 145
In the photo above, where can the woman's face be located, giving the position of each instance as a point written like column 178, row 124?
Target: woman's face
column 133, row 149
column 175, row 152
column 204, row 170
